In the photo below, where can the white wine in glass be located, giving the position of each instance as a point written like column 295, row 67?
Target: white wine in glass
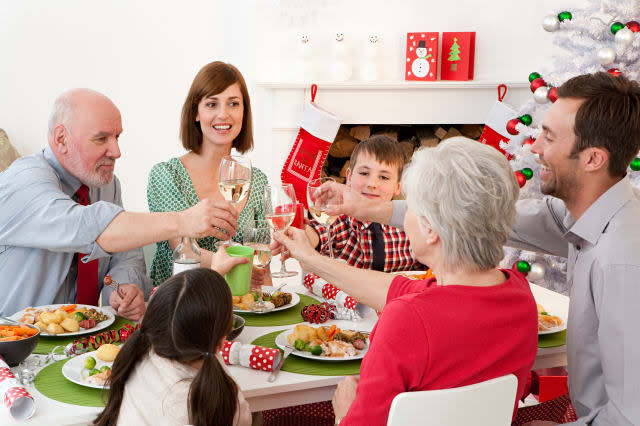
column 279, row 203
column 318, row 208
column 257, row 235
column 234, row 181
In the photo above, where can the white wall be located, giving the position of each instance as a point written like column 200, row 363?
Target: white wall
column 144, row 55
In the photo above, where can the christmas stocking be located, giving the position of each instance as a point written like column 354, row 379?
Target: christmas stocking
column 317, row 132
column 497, row 128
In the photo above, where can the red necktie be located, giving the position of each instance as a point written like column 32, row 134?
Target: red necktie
column 87, row 280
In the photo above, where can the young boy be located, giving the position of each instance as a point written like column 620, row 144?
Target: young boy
column 374, row 170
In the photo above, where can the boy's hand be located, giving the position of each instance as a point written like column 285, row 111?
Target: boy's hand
column 293, row 243
column 341, row 199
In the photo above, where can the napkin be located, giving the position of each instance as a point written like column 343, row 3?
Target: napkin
column 332, row 294
column 13, row 395
column 251, row 356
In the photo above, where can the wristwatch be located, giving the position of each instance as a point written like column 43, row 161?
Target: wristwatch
column 338, row 420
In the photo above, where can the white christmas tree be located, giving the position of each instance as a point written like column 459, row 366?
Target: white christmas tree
column 605, row 36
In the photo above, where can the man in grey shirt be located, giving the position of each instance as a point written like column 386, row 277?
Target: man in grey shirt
column 590, row 135
column 43, row 228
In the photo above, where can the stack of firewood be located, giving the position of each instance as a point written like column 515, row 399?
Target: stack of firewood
column 410, row 137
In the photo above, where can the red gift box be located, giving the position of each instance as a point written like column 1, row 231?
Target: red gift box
column 549, row 383
column 458, row 56
column 421, row 57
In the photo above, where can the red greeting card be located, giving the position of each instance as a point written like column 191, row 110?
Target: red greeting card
column 422, row 57
column 458, row 54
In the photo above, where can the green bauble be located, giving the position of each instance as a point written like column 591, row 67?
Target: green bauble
column 564, row 16
column 527, row 172
column 616, row 26
column 523, row 266
column 533, row 76
column 525, row 119
column 635, row 164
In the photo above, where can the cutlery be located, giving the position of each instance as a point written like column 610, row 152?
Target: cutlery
column 275, row 291
column 113, row 284
column 9, row 320
column 287, row 351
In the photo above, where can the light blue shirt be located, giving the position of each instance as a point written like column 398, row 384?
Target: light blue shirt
column 42, row 228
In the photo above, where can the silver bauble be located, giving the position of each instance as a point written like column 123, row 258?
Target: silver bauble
column 606, row 55
column 624, row 37
column 540, row 95
column 550, row 23
column 537, row 272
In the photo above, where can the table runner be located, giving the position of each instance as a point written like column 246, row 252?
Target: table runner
column 46, row 343
column 295, row 364
column 51, row 383
column 284, row 317
column 551, row 340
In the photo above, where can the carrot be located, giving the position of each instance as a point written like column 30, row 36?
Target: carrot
column 331, row 331
column 9, row 339
column 69, row 308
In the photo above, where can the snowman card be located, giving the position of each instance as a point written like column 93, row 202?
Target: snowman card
column 422, row 57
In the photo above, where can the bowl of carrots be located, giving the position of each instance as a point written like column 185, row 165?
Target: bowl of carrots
column 17, row 342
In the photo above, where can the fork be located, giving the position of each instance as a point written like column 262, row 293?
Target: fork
column 275, row 291
column 287, row 351
column 113, row 284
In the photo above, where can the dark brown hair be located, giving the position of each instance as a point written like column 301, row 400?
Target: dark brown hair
column 384, row 150
column 187, row 317
column 608, row 118
column 212, row 79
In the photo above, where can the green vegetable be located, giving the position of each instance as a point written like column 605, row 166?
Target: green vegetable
column 307, row 346
column 93, row 371
column 316, row 350
column 89, row 362
column 105, row 368
column 543, row 313
column 78, row 316
column 255, row 297
column 266, row 297
column 299, row 344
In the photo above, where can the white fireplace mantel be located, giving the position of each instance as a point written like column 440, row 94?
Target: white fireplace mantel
column 390, row 102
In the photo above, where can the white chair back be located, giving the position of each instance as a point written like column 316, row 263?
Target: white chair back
column 487, row 403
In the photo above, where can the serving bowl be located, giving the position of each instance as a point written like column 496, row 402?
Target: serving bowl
column 16, row 351
column 236, row 329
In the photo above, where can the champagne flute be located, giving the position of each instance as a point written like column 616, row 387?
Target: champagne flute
column 257, row 235
column 318, row 208
column 279, row 203
column 234, row 181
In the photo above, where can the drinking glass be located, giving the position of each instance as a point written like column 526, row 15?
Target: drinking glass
column 257, row 235
column 234, row 180
column 279, row 203
column 318, row 208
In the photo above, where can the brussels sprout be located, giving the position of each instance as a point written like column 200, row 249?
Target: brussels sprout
column 78, row 316
column 307, row 346
column 316, row 350
column 89, row 362
column 299, row 344
column 104, row 368
column 93, row 371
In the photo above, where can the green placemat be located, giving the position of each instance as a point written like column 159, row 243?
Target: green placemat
column 51, row 383
column 296, row 364
column 551, row 340
column 285, row 317
column 46, row 344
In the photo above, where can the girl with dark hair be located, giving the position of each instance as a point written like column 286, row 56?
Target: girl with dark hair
column 168, row 371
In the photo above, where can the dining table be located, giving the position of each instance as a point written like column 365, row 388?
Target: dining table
column 288, row 389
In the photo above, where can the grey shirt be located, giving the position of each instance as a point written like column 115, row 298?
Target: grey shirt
column 42, row 228
column 603, row 274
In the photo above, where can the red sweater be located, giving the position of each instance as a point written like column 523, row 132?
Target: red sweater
column 439, row 337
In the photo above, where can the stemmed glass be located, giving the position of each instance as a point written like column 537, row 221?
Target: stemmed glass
column 318, row 207
column 234, row 180
column 257, row 235
column 279, row 203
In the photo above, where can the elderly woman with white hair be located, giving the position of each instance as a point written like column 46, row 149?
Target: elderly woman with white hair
column 473, row 321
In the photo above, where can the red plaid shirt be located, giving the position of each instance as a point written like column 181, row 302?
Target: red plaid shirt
column 352, row 241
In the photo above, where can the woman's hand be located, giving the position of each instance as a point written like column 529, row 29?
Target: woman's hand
column 222, row 263
column 293, row 243
column 344, row 396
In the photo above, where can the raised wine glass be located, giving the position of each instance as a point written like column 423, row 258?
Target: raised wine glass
column 318, row 207
column 279, row 203
column 257, row 235
column 234, row 180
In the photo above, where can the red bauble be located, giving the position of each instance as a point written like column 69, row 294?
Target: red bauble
column 521, row 178
column 634, row 26
column 614, row 71
column 528, row 141
column 538, row 82
column 553, row 94
column 511, row 126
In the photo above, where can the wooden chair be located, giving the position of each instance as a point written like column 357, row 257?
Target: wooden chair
column 489, row 403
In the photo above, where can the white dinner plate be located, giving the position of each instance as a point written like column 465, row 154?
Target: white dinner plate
column 99, row 326
column 553, row 306
column 281, row 342
column 74, row 371
column 295, row 299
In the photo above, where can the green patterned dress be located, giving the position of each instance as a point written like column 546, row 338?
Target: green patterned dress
column 170, row 189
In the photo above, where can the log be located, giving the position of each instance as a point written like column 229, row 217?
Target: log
column 451, row 133
column 408, row 147
column 386, row 131
column 473, row 131
column 360, row 132
column 343, row 170
column 343, row 146
column 440, row 133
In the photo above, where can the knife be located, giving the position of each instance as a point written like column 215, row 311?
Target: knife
column 287, row 350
